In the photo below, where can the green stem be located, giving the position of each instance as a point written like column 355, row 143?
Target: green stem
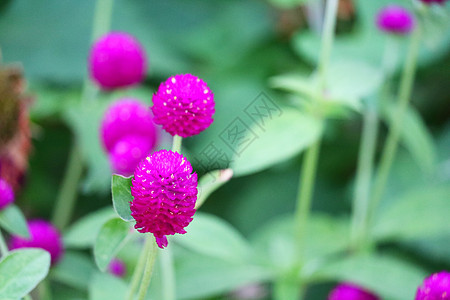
column 3, row 247
column 364, row 172
column 67, row 195
column 364, row 175
column 65, row 201
column 391, row 145
column 176, row 143
column 327, row 42
column 306, row 186
column 151, row 252
column 138, row 270
column 167, row 274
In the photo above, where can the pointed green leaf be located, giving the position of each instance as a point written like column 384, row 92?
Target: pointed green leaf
column 209, row 235
column 110, row 239
column 211, row 182
column 21, row 271
column 283, row 137
column 421, row 212
column 389, row 277
column 121, row 196
column 415, row 136
column 75, row 270
column 13, row 221
column 83, row 233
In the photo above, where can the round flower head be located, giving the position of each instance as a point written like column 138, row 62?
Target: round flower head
column 42, row 235
column 117, row 268
column 6, row 194
column 164, row 191
column 117, row 60
column 128, row 152
column 350, row 291
column 435, row 287
column 183, row 105
column 395, row 19
column 127, row 117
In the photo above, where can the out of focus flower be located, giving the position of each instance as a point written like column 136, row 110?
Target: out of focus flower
column 117, row 267
column 435, row 287
column 117, row 60
column 395, row 19
column 351, row 291
column 183, row 105
column 164, row 191
column 128, row 134
column 433, row 1
column 42, row 235
column 6, row 194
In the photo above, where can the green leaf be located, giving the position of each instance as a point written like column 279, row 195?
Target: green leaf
column 21, row 271
column 13, row 221
column 121, row 196
column 415, row 136
column 297, row 83
column 420, row 212
column 283, row 138
column 275, row 242
column 75, row 270
column 287, row 4
column 350, row 80
column 110, row 239
column 199, row 276
column 209, row 235
column 211, row 182
column 389, row 277
column 82, row 234
column 105, row 286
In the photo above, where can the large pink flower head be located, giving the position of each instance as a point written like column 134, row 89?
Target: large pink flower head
column 117, row 60
column 164, row 191
column 395, row 19
column 42, row 235
column 435, row 287
column 350, row 291
column 183, row 105
column 128, row 134
column 6, row 194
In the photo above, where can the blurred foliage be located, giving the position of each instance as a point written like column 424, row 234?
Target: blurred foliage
column 237, row 47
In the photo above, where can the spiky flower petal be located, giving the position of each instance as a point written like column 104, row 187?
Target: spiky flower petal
column 183, row 105
column 164, row 191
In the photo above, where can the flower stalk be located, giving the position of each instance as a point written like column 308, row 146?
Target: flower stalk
column 390, row 148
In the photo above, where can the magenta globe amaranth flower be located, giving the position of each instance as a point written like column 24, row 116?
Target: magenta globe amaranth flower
column 128, row 134
column 6, row 194
column 395, row 19
column 128, row 152
column 183, row 105
column 42, row 235
column 117, row 60
column 435, row 287
column 164, row 191
column 351, row 291
column 117, row 267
